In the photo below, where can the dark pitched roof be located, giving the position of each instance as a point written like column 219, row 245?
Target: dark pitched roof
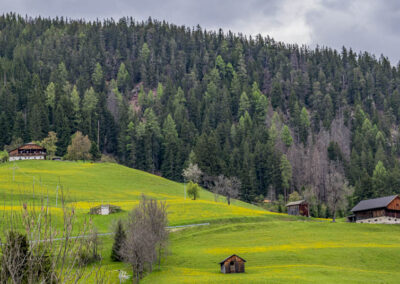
column 295, row 203
column 230, row 257
column 373, row 203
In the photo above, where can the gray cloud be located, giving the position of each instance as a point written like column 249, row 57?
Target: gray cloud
column 364, row 25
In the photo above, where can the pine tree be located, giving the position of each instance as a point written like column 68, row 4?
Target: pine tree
column 244, row 104
column 119, row 238
column 286, row 173
column 63, row 130
column 122, row 78
column 76, row 101
column 261, row 109
column 171, row 164
column 50, row 94
column 89, row 105
column 286, row 136
column 97, row 78
column 94, row 151
column 304, row 125
column 276, row 94
column 151, row 141
column 379, row 179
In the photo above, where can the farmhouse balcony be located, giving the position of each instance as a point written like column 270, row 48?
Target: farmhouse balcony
column 31, row 154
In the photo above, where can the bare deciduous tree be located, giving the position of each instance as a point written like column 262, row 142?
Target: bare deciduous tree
column 157, row 215
column 137, row 249
column 228, row 187
column 146, row 235
column 338, row 190
column 310, row 164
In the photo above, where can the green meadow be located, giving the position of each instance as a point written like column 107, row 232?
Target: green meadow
column 278, row 248
column 284, row 252
column 86, row 185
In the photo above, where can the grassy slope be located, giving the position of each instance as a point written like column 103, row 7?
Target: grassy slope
column 285, row 252
column 278, row 248
column 87, row 185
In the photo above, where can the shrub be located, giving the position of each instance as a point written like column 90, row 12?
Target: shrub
column 3, row 156
column 108, row 159
column 14, row 258
column 88, row 253
column 193, row 190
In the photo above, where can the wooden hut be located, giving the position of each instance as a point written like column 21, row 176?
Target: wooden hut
column 299, row 207
column 30, row 151
column 232, row 264
column 383, row 210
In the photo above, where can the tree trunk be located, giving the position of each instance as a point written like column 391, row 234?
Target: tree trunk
column 159, row 257
column 285, row 194
column 334, row 214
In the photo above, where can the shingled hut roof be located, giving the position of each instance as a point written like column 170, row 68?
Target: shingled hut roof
column 373, row 203
column 230, row 257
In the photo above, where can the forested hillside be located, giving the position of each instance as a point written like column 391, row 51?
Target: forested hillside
column 156, row 96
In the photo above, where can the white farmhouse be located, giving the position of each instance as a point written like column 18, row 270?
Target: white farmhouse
column 30, row 151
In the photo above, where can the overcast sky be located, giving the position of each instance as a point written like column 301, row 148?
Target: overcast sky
column 366, row 25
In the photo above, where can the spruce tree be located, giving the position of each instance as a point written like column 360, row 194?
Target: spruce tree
column 122, row 78
column 63, row 130
column 304, row 125
column 244, row 104
column 119, row 239
column 94, row 151
column 97, row 78
column 286, row 136
column 170, row 166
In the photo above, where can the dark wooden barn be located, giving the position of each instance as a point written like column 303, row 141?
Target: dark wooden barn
column 383, row 210
column 298, row 208
column 232, row 264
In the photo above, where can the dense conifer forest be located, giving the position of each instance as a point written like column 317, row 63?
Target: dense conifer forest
column 157, row 96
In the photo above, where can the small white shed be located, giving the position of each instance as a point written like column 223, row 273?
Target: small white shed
column 105, row 209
